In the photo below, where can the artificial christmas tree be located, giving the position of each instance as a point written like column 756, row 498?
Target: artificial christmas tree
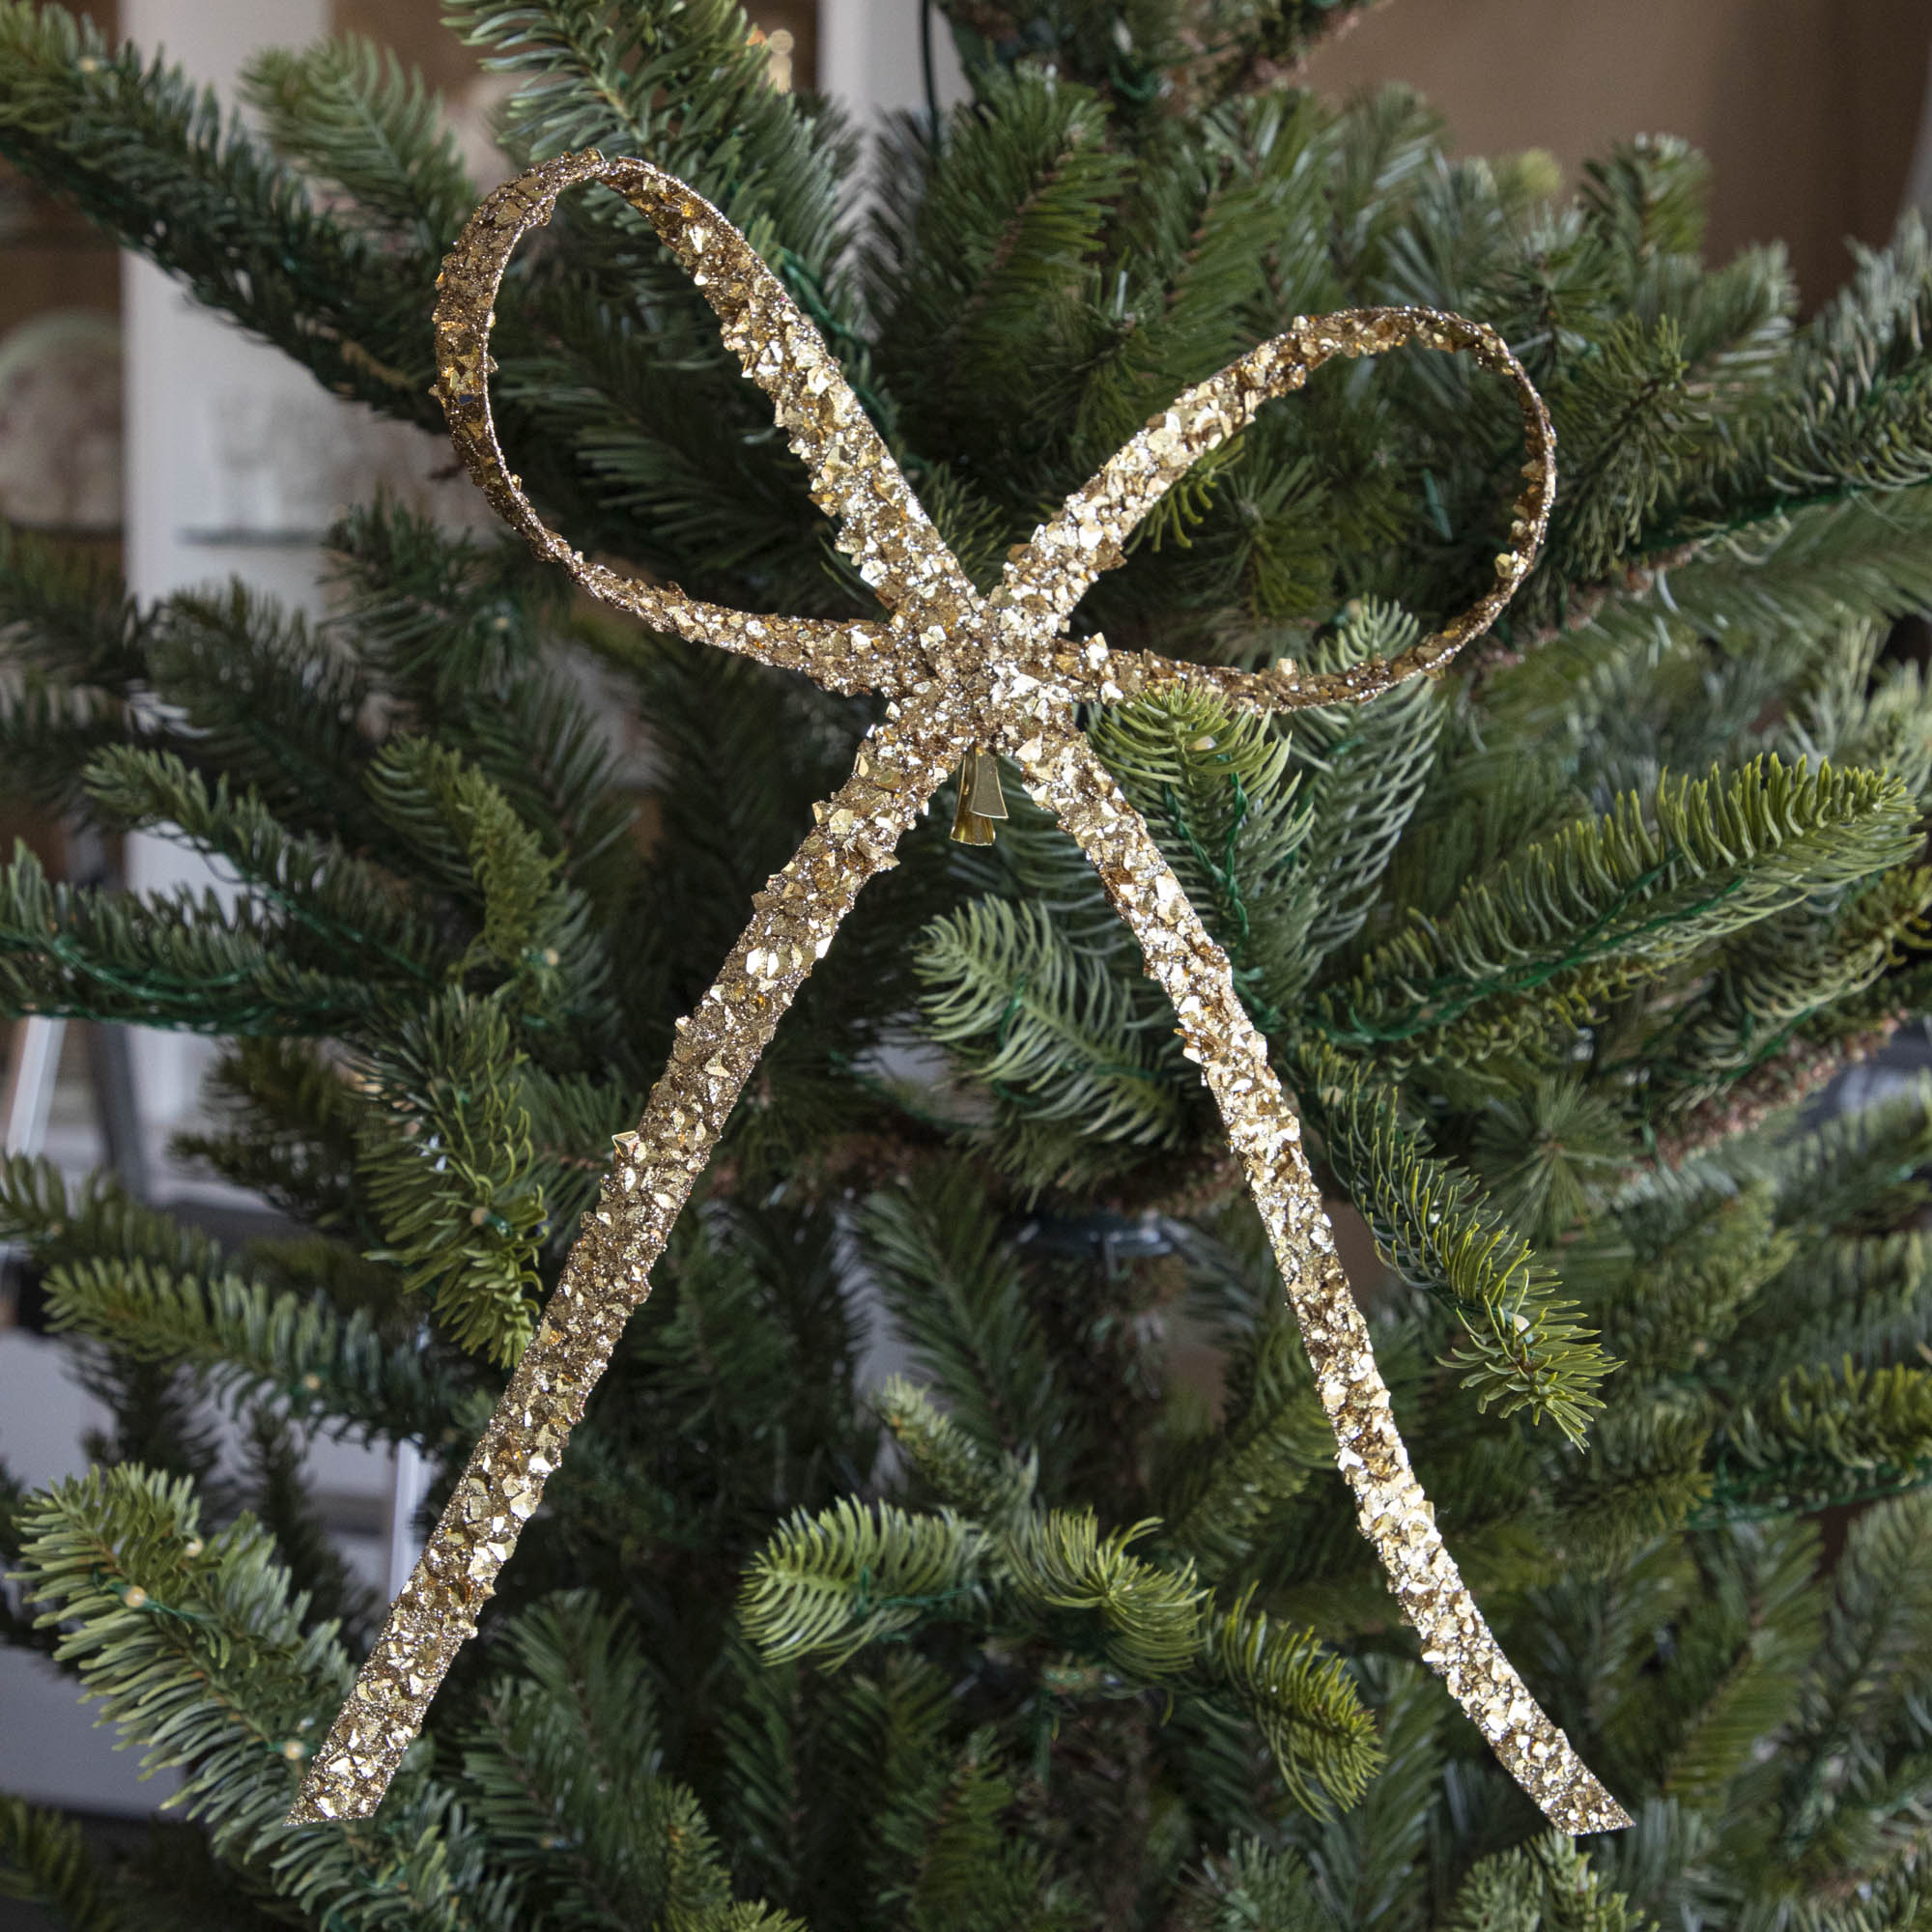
column 1548, row 951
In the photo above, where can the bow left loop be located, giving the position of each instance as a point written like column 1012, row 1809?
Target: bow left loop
column 854, row 478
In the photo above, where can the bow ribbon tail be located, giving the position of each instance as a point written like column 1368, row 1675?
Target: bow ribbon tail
column 1069, row 781
column 607, row 1274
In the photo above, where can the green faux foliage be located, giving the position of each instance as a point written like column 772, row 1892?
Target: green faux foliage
column 955, row 1542
column 44, row 1858
column 359, row 121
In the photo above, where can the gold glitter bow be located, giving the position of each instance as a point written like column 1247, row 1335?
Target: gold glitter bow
column 965, row 675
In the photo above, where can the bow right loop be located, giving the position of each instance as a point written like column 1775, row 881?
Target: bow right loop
column 1088, row 535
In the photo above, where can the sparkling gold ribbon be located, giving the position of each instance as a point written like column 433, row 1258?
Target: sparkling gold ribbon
column 964, row 675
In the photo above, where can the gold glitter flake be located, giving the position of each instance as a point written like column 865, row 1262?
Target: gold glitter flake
column 967, row 679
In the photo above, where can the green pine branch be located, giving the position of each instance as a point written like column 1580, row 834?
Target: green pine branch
column 1600, row 904
column 1067, row 1044
column 962, row 1301
column 827, row 1586
column 175, row 960
column 561, row 1767
column 1010, row 206
column 279, row 1498
column 193, row 1647
column 1521, row 1344
column 443, row 1156
column 1301, row 1699
column 351, row 117
column 154, row 161
column 1221, row 1493
column 1549, row 1878
column 1222, row 799
column 683, row 87
column 244, row 1342
column 831, row 1585
column 1823, row 1431
column 44, row 1861
column 350, row 910
column 289, row 1116
column 949, row 1461
column 1371, row 763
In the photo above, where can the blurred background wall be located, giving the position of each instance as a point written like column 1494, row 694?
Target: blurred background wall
column 1810, row 111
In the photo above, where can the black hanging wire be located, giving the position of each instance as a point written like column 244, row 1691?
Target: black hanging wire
column 926, row 66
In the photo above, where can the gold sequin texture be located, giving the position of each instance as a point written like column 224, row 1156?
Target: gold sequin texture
column 964, row 675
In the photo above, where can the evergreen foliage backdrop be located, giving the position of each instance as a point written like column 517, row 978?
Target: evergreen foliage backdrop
column 1041, row 1634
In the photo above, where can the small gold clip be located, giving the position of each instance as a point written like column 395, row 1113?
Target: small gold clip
column 980, row 799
